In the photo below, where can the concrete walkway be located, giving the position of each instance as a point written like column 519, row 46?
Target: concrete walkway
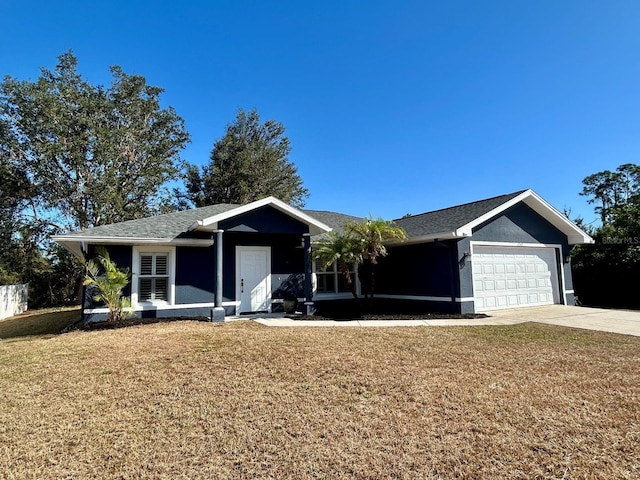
column 626, row 322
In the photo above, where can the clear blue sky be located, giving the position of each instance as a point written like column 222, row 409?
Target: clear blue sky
column 392, row 107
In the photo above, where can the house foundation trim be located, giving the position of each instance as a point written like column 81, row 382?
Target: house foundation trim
column 424, row 298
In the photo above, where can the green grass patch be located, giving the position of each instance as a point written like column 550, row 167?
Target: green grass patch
column 39, row 322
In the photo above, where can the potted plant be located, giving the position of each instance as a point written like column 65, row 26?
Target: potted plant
column 290, row 303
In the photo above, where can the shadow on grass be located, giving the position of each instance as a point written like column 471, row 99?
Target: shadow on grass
column 134, row 322
column 39, row 322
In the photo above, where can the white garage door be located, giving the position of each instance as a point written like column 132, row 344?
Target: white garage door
column 511, row 277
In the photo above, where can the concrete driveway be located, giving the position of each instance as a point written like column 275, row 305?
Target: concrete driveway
column 626, row 322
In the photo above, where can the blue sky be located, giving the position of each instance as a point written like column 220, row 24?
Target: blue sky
column 392, row 107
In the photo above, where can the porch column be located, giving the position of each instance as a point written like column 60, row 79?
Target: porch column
column 309, row 308
column 217, row 314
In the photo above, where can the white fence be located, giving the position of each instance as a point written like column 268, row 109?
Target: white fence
column 13, row 300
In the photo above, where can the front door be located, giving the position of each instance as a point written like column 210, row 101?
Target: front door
column 253, row 279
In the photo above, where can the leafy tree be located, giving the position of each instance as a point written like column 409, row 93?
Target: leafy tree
column 15, row 190
column 108, row 282
column 612, row 190
column 343, row 250
column 371, row 236
column 605, row 274
column 250, row 162
column 96, row 155
column 73, row 156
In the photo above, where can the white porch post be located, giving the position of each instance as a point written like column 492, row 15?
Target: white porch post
column 309, row 308
column 218, row 311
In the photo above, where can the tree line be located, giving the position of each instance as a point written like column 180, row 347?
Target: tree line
column 74, row 155
column 607, row 273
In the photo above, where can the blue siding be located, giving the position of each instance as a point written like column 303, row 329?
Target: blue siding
column 521, row 224
column 195, row 278
column 425, row 270
column 264, row 220
column 286, row 258
column 422, row 269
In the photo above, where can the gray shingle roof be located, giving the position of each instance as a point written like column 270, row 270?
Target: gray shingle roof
column 175, row 224
column 331, row 219
column 452, row 218
column 169, row 225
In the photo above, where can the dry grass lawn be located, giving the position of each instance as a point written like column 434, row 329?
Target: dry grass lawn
column 39, row 322
column 189, row 400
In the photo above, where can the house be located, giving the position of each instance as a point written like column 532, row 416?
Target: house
column 504, row 252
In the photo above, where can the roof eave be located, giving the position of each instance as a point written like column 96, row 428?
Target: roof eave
column 426, row 238
column 76, row 243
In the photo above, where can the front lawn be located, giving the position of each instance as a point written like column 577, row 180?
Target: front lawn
column 240, row 400
column 39, row 322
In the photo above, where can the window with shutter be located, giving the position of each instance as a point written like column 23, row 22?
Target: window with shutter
column 154, row 277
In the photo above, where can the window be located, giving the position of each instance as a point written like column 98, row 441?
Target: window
column 154, row 277
column 154, row 269
column 331, row 280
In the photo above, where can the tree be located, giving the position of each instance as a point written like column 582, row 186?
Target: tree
column 360, row 244
column 95, row 155
column 605, row 274
column 108, row 282
column 612, row 190
column 249, row 163
column 343, row 250
column 15, row 191
column 371, row 235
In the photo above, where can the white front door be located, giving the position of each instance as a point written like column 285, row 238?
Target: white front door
column 253, row 279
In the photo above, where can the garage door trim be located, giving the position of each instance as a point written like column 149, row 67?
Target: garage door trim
column 561, row 292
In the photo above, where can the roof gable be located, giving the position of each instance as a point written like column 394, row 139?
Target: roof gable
column 447, row 220
column 213, row 222
column 459, row 221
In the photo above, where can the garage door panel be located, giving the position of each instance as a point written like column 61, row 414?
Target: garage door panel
column 508, row 277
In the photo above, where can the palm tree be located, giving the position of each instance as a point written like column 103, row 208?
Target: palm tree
column 108, row 281
column 371, row 235
column 343, row 250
